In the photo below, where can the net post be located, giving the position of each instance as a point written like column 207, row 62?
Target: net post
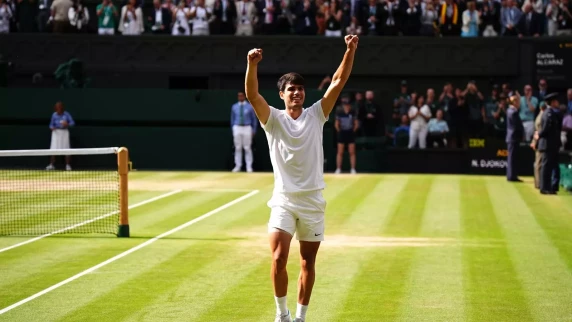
column 123, row 170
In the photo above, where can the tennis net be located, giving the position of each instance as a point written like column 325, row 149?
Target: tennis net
column 91, row 198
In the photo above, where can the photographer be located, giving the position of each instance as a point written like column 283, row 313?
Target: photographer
column 78, row 16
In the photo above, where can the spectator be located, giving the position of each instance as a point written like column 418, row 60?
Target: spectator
column 268, row 11
column 401, row 103
column 246, row 18
column 285, row 20
column 169, row 5
column 476, row 112
column 529, row 23
column 321, row 9
column 429, row 19
column 225, row 15
column 334, row 20
column 527, row 111
column 346, row 126
column 78, row 16
column 419, row 115
column 358, row 101
column 200, row 15
column 59, row 124
column 370, row 116
column 373, row 18
column 59, row 16
column 506, row 90
column 438, row 130
column 569, row 100
column 106, row 15
column 390, row 17
column 400, row 134
column 509, row 18
column 491, row 107
column 445, row 99
column 449, row 18
column 459, row 114
column 471, row 21
column 500, row 117
column 181, row 16
column 542, row 89
column 160, row 18
column 566, row 136
column 490, row 18
column 552, row 14
column 5, row 16
column 131, row 21
column 354, row 28
column 430, row 101
column 25, row 12
column 412, row 19
column 564, row 19
column 305, row 17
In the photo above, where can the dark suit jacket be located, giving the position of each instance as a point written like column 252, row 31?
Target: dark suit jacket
column 261, row 6
column 167, row 20
column 550, row 128
column 514, row 128
column 532, row 28
column 230, row 11
column 364, row 14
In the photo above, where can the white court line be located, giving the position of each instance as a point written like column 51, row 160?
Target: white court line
column 129, row 251
column 90, row 221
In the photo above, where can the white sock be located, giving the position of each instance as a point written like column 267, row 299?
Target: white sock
column 301, row 311
column 281, row 307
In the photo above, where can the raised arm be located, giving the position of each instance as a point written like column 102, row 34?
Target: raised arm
column 341, row 76
column 261, row 108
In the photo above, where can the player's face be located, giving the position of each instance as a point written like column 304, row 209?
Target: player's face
column 293, row 95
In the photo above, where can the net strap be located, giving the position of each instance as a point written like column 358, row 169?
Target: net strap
column 49, row 152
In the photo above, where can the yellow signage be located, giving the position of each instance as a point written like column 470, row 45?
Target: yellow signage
column 502, row 153
column 476, row 143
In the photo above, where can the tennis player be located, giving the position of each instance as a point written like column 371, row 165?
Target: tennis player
column 295, row 143
column 59, row 124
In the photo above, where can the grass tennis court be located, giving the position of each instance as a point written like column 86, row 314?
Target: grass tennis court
column 398, row 248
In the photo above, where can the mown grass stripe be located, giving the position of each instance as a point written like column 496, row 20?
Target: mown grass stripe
column 554, row 216
column 534, row 255
column 492, row 289
column 435, row 286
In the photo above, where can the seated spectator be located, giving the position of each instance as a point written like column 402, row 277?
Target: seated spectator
column 131, row 21
column 346, row 127
column 530, row 23
column 5, row 17
column 419, row 115
column 107, row 13
column 400, row 134
column 438, row 130
column 471, row 21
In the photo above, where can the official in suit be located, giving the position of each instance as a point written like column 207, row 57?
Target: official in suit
column 549, row 144
column 243, row 122
column 534, row 145
column 514, row 135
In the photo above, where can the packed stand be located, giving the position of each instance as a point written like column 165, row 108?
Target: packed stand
column 486, row 18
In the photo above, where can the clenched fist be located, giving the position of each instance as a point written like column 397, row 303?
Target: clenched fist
column 351, row 41
column 254, row 56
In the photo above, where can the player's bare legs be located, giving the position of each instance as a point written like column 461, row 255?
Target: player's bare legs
column 280, row 248
column 308, row 253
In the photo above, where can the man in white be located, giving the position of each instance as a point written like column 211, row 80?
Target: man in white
column 295, row 143
column 243, row 123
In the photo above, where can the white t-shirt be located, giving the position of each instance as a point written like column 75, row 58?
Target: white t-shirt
column 418, row 121
column 296, row 149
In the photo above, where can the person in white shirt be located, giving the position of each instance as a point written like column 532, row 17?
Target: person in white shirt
column 201, row 16
column 419, row 115
column 297, row 155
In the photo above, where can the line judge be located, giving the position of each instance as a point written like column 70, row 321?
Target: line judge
column 243, row 122
column 59, row 124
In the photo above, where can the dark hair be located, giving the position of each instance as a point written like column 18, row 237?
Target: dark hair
column 290, row 78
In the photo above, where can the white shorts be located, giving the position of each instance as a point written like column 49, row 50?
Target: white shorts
column 60, row 139
column 302, row 213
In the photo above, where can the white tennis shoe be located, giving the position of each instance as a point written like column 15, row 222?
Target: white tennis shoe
column 283, row 318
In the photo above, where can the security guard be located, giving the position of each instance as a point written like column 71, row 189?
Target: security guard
column 514, row 135
column 549, row 144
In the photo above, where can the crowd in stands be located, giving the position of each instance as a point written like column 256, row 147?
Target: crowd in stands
column 449, row 118
column 487, row 18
